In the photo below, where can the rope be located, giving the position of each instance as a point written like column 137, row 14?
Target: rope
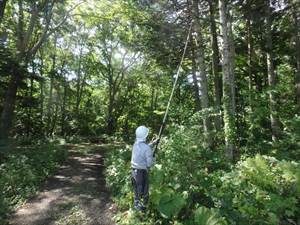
column 162, row 127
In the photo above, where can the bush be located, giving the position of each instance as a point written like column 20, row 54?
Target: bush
column 191, row 185
column 22, row 172
column 174, row 181
column 260, row 190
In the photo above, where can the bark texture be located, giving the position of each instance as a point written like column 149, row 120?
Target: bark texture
column 271, row 76
column 228, row 81
column 202, row 74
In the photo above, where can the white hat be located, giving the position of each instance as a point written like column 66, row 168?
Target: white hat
column 141, row 133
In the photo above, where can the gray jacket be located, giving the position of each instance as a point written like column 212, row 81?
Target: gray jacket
column 142, row 155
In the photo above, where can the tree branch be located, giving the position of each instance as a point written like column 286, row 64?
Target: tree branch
column 32, row 22
column 46, row 33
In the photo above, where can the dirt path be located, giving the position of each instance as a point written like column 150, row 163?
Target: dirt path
column 76, row 194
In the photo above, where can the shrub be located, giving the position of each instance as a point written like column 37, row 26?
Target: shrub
column 174, row 180
column 260, row 190
column 191, row 185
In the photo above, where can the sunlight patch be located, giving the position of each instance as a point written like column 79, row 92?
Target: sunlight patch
column 75, row 216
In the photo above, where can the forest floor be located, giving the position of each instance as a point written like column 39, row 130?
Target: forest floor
column 76, row 194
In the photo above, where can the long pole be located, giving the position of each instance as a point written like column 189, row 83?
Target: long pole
column 162, row 127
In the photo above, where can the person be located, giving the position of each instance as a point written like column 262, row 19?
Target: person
column 141, row 160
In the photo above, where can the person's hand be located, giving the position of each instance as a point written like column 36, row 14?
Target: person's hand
column 155, row 141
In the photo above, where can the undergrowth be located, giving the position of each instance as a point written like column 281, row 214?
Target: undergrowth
column 194, row 186
column 23, row 168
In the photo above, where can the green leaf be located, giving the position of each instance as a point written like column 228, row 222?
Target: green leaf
column 170, row 205
column 205, row 216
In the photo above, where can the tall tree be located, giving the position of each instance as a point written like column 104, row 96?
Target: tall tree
column 50, row 105
column 28, row 41
column 195, row 80
column 249, row 51
column 215, row 65
column 296, row 17
column 228, row 81
column 271, row 75
column 202, row 73
column 80, row 82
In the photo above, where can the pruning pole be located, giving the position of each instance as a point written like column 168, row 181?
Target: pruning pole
column 163, row 125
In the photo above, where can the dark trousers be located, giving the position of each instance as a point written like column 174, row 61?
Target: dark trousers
column 140, row 183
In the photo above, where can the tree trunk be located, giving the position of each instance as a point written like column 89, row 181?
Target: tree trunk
column 50, row 102
column 271, row 76
column 296, row 16
column 78, row 85
column 250, row 56
column 29, row 114
column 63, row 109
column 25, row 54
column 111, row 101
column 2, row 9
column 9, row 106
column 228, row 83
column 54, row 119
column 203, row 79
column 231, row 60
column 195, row 82
column 42, row 104
column 215, row 67
column 42, row 92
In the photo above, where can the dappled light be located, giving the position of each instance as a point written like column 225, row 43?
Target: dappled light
column 73, row 194
column 150, row 112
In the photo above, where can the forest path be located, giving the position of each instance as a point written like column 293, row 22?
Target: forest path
column 76, row 194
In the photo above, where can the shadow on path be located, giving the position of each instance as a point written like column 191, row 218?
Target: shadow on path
column 76, row 194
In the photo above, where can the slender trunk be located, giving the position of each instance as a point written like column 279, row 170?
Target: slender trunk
column 203, row 78
column 232, row 61
column 57, row 106
column 78, row 84
column 42, row 91
column 63, row 109
column 271, row 76
column 29, row 106
column 296, row 16
column 196, row 88
column 29, row 117
column 215, row 66
column 42, row 103
column 250, row 56
column 250, row 71
column 54, row 119
column 195, row 82
column 50, row 102
column 228, row 83
column 110, row 113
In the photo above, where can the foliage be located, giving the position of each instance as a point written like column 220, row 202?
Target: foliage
column 191, row 185
column 205, row 216
column 174, row 184
column 259, row 190
column 92, row 71
column 23, row 170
